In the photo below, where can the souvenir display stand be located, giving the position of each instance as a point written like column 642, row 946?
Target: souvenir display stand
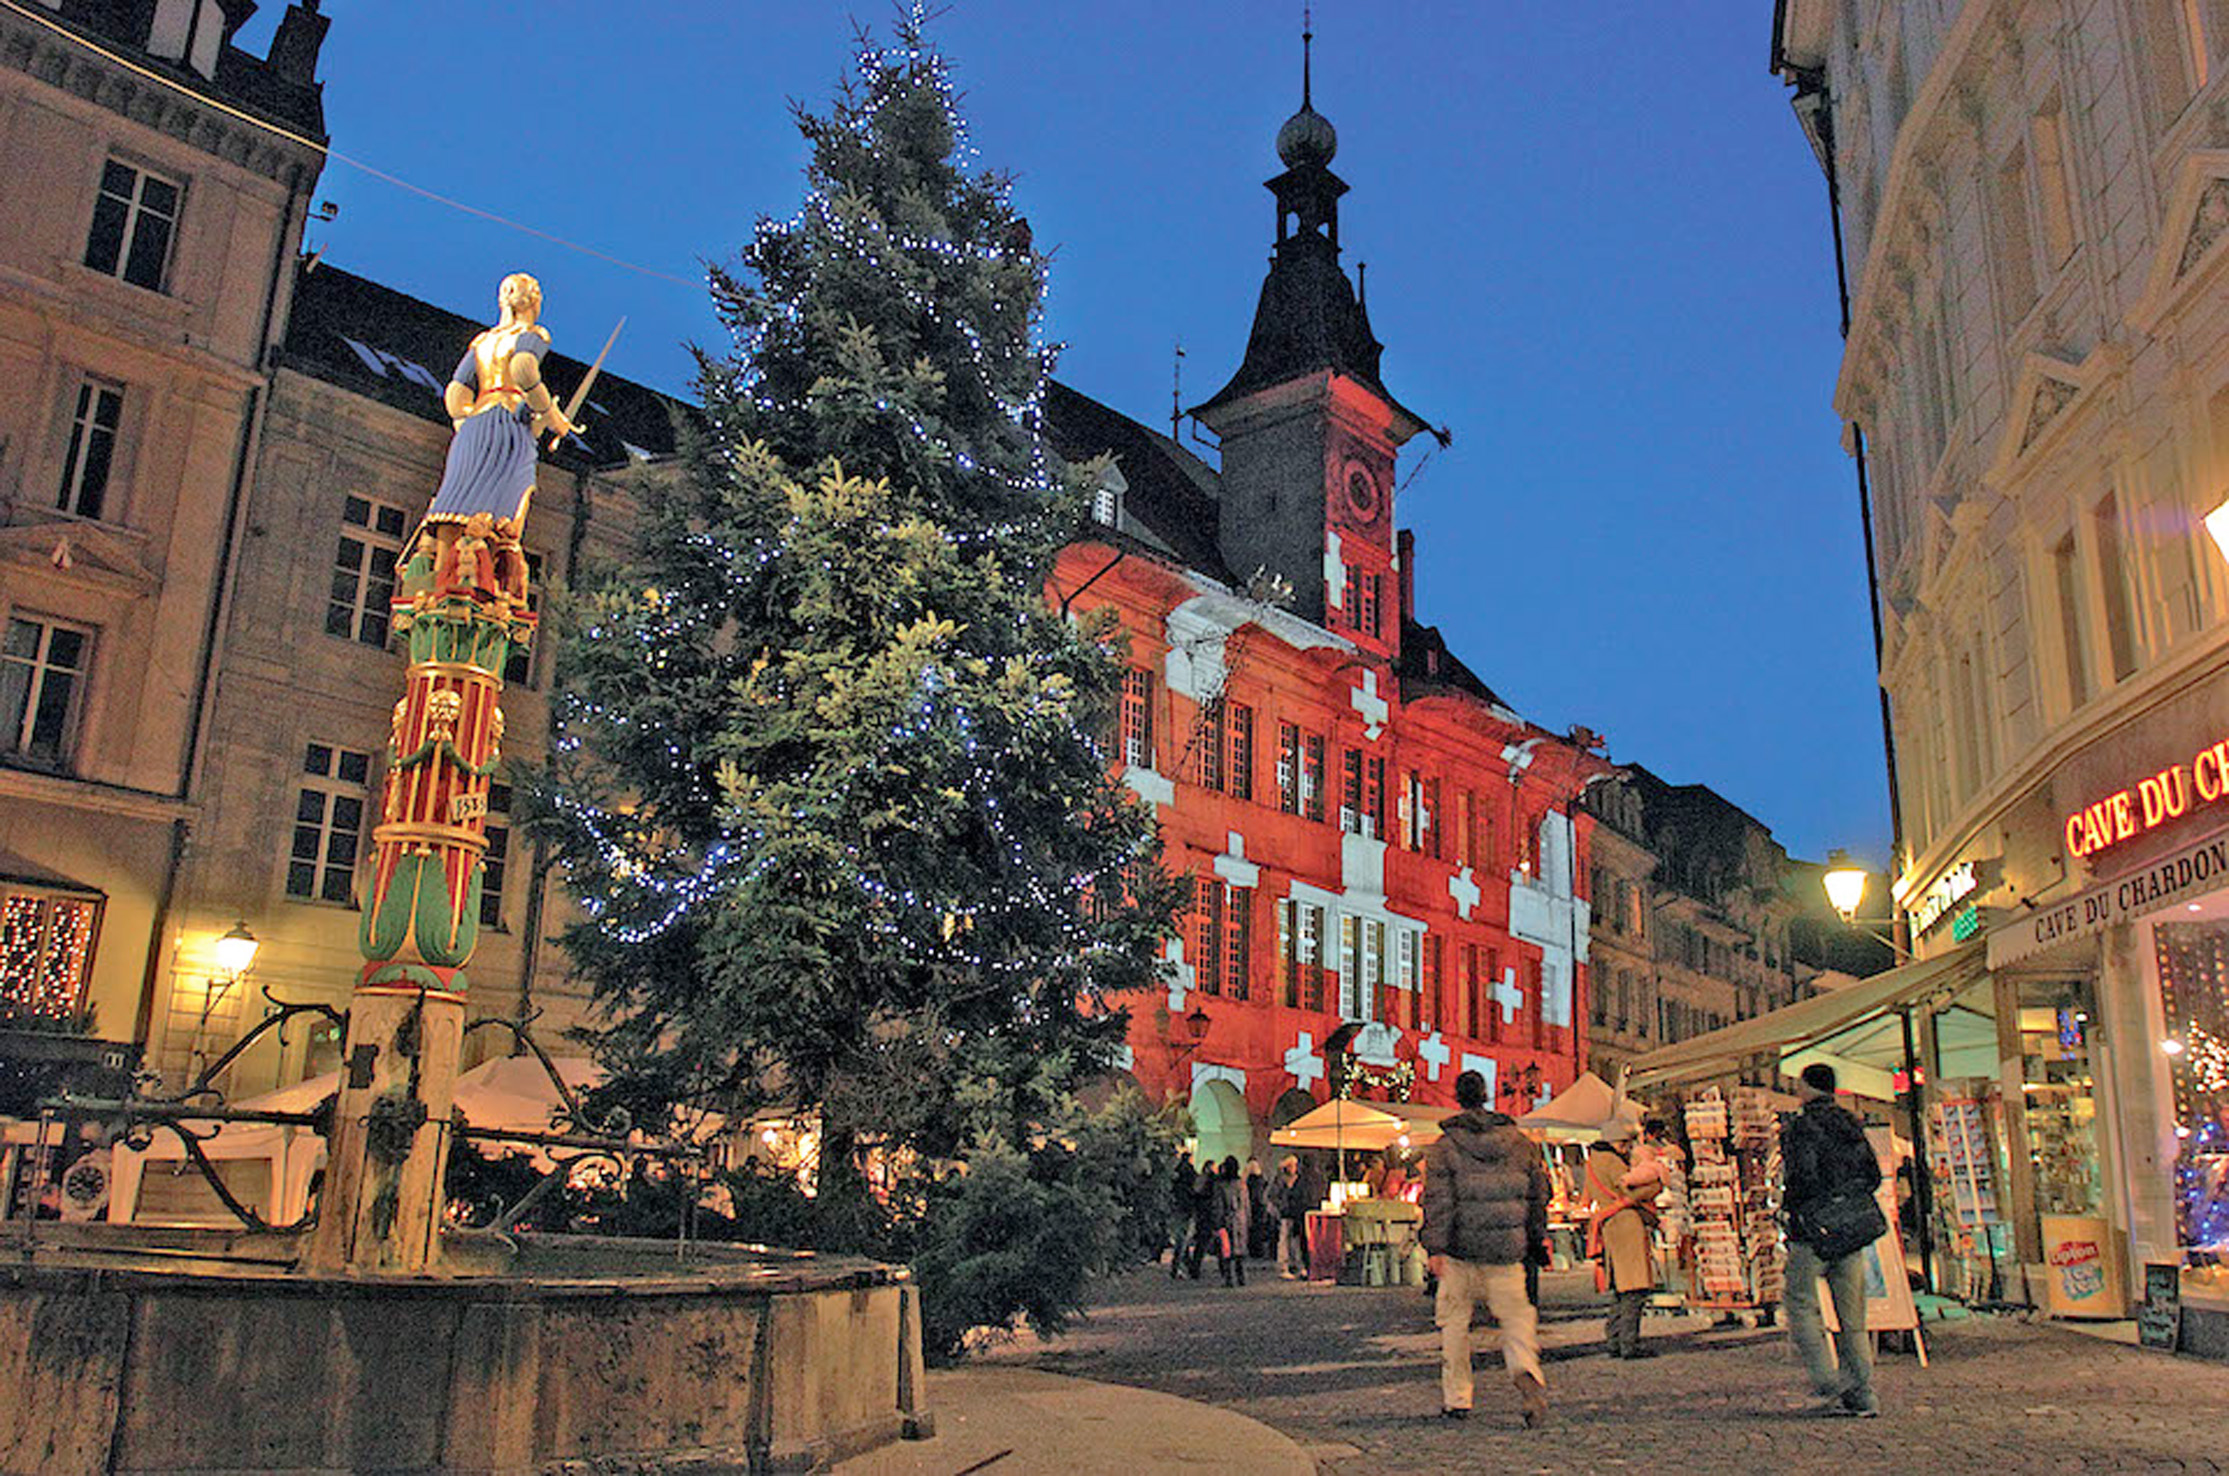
column 1962, row 1148
column 1733, row 1200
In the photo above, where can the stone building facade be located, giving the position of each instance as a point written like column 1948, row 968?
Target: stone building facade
column 158, row 180
column 2029, row 203
column 218, row 452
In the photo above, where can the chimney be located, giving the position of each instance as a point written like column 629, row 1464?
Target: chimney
column 1404, row 549
column 295, row 46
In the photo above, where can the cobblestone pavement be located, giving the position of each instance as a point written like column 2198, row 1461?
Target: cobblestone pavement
column 1352, row 1374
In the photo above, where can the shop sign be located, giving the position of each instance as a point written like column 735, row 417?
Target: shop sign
column 2190, row 872
column 2167, row 795
column 1949, row 889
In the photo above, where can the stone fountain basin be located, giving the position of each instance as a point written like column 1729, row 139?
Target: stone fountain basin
column 139, row 1350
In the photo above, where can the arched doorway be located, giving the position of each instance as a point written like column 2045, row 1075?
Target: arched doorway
column 1221, row 1123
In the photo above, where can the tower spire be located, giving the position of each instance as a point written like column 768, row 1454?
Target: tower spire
column 1307, row 48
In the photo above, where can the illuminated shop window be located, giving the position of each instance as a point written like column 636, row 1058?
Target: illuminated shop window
column 46, row 946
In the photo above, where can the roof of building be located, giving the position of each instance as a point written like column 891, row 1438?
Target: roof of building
column 1170, row 492
column 386, row 345
column 279, row 89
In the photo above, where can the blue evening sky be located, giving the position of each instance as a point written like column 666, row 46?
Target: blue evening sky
column 1598, row 252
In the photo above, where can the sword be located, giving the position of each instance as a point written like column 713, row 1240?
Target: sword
column 580, row 396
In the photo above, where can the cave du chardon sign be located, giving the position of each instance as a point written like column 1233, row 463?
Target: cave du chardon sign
column 2190, row 872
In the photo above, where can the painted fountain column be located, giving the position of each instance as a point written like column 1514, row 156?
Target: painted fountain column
column 461, row 605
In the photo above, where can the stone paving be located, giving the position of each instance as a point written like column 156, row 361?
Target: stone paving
column 1352, row 1375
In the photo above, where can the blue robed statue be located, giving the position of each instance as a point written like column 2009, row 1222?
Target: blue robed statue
column 500, row 408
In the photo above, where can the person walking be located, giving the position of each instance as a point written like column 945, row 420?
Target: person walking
column 1261, row 1230
column 1485, row 1212
column 1291, row 1209
column 1204, row 1201
column 1828, row 1198
column 1232, row 1221
column 1183, row 1180
column 1618, row 1233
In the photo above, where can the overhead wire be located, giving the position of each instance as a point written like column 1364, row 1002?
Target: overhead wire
column 334, row 154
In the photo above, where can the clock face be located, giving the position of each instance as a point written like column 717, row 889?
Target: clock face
column 1363, row 499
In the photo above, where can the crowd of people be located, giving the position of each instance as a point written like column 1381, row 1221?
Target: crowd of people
column 1486, row 1192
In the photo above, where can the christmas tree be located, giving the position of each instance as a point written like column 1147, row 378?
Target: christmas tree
column 832, row 781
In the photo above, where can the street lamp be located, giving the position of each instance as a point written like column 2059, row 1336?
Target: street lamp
column 1845, row 887
column 236, row 950
column 1845, row 884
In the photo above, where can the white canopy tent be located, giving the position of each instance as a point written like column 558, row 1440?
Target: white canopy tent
column 1579, row 1112
column 1365, row 1127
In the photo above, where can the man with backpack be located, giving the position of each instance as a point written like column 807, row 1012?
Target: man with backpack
column 1831, row 1173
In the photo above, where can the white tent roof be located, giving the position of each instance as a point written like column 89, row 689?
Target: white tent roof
column 514, row 1093
column 1362, row 1126
column 1580, row 1110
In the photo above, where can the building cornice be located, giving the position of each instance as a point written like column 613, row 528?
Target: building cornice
column 223, row 130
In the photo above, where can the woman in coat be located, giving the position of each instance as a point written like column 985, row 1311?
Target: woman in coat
column 1233, row 1219
column 1619, row 1234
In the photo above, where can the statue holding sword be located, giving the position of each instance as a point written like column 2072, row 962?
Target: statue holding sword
column 500, row 407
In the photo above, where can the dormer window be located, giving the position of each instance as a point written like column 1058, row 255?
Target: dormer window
column 188, row 31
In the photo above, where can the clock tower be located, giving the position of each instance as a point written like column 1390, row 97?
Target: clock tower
column 1309, row 432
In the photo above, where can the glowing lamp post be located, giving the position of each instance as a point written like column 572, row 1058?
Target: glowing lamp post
column 1845, row 884
column 236, row 950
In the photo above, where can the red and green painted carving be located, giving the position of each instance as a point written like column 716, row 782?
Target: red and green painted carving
column 462, row 604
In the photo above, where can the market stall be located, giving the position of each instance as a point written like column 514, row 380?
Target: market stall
column 1358, row 1235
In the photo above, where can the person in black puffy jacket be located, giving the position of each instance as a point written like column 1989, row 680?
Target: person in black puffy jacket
column 1485, row 1214
column 1824, row 1152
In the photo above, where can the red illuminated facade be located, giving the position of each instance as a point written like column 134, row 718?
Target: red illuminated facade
column 1383, row 854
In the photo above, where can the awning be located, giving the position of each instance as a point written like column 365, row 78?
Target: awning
column 1816, row 1024
column 1362, row 1127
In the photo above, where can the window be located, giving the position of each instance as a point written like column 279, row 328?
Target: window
column 1373, row 796
column 361, row 602
column 1411, row 978
column 46, row 945
column 1300, row 929
column 42, row 669
column 1226, row 936
column 328, row 824
column 497, row 860
column 518, row 666
column 2054, row 195
column 1362, row 977
column 1373, row 594
column 1432, row 1000
column 1227, row 749
column 134, row 218
column 1288, row 768
column 1137, row 718
column 92, row 449
column 2067, row 579
column 2172, row 36
column 1311, row 776
column 1350, row 792
column 2112, row 577
column 2016, row 253
column 1240, row 740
